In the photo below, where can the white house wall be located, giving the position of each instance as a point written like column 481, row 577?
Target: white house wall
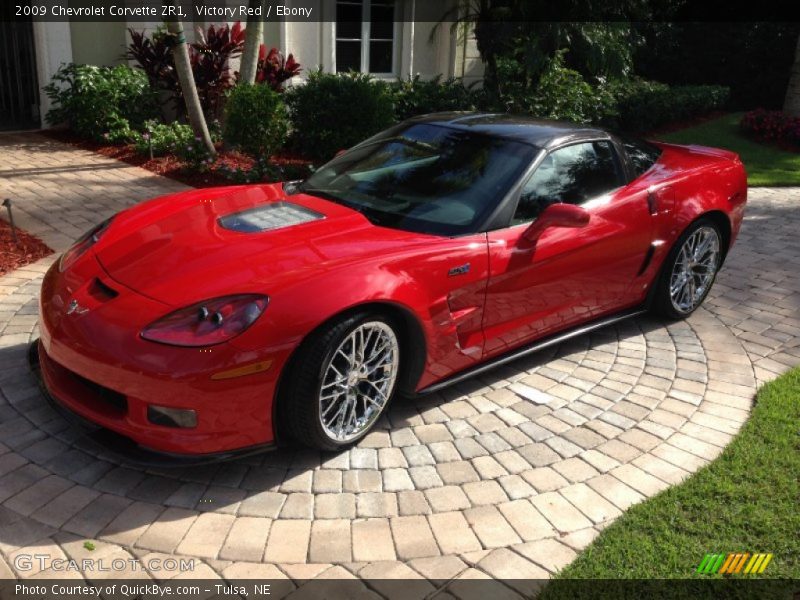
column 424, row 46
column 101, row 43
column 468, row 64
column 53, row 43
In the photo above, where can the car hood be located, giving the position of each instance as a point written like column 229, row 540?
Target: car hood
column 206, row 243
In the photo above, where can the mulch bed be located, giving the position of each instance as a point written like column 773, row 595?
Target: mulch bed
column 26, row 250
column 170, row 165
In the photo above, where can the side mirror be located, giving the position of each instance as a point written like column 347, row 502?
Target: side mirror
column 557, row 215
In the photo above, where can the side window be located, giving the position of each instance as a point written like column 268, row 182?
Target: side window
column 573, row 174
column 641, row 155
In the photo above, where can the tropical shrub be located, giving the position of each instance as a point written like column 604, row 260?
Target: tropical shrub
column 255, row 120
column 101, row 103
column 418, row 97
column 154, row 57
column 644, row 105
column 162, row 138
column 209, row 58
column 274, row 69
column 335, row 111
column 560, row 93
column 771, row 126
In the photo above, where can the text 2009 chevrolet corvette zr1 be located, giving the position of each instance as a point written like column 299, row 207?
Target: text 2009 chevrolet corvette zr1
column 222, row 319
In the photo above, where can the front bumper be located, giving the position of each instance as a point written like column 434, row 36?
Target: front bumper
column 124, row 448
column 94, row 363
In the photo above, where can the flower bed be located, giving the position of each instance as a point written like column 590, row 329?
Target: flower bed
column 229, row 167
column 772, row 126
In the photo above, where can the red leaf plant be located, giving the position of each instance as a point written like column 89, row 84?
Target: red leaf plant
column 209, row 57
column 274, row 69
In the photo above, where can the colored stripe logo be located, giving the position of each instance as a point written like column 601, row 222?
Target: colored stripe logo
column 734, row 563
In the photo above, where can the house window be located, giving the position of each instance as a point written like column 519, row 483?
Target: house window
column 365, row 36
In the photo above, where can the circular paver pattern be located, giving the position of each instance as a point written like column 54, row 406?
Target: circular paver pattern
column 517, row 469
column 556, row 444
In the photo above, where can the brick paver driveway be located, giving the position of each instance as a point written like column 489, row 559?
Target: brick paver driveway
column 507, row 475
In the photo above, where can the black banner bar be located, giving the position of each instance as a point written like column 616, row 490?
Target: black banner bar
column 132, row 11
column 334, row 589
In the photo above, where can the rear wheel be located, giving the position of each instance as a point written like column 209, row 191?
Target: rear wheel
column 342, row 381
column 689, row 270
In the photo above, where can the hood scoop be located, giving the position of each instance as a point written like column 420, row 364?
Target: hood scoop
column 268, row 217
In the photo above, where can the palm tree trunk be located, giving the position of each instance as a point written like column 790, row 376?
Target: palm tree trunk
column 180, row 54
column 253, row 36
column 791, row 106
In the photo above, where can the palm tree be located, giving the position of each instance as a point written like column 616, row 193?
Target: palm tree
column 791, row 105
column 254, row 35
column 183, row 67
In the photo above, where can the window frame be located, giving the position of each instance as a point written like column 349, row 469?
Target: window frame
column 620, row 161
column 366, row 38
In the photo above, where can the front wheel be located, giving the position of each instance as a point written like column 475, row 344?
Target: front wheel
column 689, row 271
column 341, row 381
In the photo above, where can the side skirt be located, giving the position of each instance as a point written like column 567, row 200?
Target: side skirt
column 530, row 349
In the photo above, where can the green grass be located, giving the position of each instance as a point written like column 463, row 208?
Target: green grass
column 766, row 165
column 748, row 500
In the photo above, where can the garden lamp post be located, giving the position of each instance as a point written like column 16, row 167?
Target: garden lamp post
column 7, row 204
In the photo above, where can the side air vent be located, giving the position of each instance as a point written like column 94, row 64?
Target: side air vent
column 648, row 257
column 101, row 291
column 275, row 215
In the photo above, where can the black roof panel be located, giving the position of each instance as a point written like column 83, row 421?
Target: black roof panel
column 539, row 132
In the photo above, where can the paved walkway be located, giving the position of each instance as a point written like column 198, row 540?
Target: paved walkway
column 507, row 475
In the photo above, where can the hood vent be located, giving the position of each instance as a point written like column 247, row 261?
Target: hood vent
column 275, row 215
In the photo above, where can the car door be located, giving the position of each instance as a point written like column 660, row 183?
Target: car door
column 568, row 275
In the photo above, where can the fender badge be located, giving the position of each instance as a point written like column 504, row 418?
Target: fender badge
column 459, row 270
column 74, row 307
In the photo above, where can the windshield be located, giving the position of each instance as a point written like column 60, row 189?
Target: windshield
column 424, row 177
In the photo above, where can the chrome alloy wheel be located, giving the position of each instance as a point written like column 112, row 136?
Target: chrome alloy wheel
column 694, row 269
column 358, row 381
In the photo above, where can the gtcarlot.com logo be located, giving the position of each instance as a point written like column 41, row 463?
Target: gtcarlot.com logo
column 29, row 562
column 734, row 563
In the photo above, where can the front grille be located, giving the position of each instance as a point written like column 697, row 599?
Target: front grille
column 86, row 392
column 107, row 395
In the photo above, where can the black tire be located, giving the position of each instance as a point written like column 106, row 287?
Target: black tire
column 662, row 302
column 299, row 404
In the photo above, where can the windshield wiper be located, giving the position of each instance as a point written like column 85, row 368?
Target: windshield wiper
column 373, row 216
column 328, row 195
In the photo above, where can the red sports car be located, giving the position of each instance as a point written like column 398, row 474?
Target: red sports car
column 223, row 320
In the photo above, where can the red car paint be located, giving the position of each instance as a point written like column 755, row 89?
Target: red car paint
column 171, row 252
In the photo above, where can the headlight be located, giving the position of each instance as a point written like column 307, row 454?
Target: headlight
column 86, row 241
column 207, row 323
